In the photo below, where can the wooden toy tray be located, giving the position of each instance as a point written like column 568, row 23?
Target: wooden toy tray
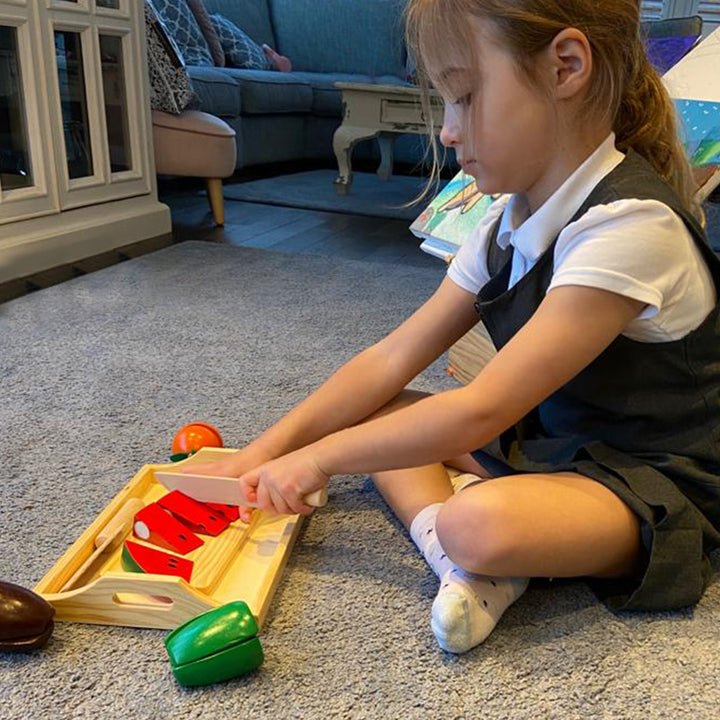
column 244, row 562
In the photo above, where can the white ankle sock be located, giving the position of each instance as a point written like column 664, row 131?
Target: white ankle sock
column 422, row 531
column 468, row 607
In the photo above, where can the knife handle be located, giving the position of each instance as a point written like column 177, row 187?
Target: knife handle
column 316, row 499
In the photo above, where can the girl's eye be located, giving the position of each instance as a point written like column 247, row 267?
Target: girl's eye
column 464, row 100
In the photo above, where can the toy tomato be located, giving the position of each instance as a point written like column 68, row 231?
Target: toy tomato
column 195, row 435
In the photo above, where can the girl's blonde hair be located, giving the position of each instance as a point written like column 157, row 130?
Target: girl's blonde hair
column 624, row 89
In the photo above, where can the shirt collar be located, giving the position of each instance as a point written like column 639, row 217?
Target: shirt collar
column 532, row 234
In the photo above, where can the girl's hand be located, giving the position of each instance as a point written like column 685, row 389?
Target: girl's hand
column 235, row 465
column 280, row 485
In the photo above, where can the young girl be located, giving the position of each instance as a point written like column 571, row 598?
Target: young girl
column 593, row 436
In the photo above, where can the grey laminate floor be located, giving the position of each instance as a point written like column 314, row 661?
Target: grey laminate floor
column 293, row 230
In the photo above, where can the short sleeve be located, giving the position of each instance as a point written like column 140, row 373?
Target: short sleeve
column 468, row 268
column 637, row 248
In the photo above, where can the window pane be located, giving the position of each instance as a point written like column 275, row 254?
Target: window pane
column 115, row 102
column 15, row 168
column 114, row 4
column 73, row 100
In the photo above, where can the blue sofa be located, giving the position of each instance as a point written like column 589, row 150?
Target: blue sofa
column 289, row 116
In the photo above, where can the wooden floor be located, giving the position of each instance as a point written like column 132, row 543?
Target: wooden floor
column 293, row 230
column 271, row 227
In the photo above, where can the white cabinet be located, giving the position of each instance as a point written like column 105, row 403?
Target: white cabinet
column 77, row 176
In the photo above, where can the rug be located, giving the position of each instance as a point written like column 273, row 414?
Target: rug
column 369, row 195
column 97, row 375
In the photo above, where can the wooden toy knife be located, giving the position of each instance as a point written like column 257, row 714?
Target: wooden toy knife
column 214, row 488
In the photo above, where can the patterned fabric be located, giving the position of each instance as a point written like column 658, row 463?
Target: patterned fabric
column 240, row 49
column 184, row 29
column 208, row 30
column 170, row 87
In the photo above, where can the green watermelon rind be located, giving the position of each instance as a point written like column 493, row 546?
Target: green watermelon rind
column 128, row 561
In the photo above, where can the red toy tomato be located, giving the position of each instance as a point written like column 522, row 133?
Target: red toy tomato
column 194, row 436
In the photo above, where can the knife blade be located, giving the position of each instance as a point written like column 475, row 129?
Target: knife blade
column 215, row 488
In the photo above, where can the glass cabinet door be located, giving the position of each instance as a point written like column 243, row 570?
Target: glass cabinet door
column 101, row 141
column 27, row 174
column 73, row 103
column 15, row 166
column 115, row 98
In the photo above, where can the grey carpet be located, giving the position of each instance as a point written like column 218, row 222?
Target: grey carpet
column 314, row 189
column 98, row 373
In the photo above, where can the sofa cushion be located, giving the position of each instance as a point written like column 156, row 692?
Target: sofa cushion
column 169, row 83
column 252, row 16
column 269, row 91
column 208, row 30
column 183, row 27
column 341, row 36
column 217, row 91
column 239, row 48
column 327, row 99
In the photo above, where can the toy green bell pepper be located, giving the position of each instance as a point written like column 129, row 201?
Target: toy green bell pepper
column 215, row 646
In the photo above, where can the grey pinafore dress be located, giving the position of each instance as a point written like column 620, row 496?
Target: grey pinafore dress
column 643, row 418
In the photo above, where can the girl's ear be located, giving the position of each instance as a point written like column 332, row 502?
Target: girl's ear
column 571, row 62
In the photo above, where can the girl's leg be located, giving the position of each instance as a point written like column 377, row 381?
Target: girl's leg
column 541, row 525
column 461, row 618
column 520, row 526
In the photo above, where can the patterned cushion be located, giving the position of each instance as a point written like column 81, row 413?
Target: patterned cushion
column 183, row 27
column 170, row 87
column 208, row 30
column 240, row 49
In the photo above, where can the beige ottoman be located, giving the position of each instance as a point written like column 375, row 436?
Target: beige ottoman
column 196, row 144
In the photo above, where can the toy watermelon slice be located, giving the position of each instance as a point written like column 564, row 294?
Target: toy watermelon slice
column 139, row 558
column 231, row 512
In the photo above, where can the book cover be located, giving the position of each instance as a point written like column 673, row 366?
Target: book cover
column 448, row 220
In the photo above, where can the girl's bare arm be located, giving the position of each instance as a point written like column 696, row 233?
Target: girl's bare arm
column 572, row 326
column 376, row 375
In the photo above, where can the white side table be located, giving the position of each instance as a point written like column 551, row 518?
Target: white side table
column 370, row 111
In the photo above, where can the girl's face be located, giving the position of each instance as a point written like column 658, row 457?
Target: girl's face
column 512, row 127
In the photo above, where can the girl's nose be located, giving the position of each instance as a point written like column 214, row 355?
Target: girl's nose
column 450, row 132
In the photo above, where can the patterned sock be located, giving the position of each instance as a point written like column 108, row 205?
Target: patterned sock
column 422, row 531
column 468, row 607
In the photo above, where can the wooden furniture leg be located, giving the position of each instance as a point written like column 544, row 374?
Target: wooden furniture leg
column 384, row 171
column 215, row 196
column 344, row 140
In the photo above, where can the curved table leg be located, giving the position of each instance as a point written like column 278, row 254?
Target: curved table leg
column 344, row 139
column 385, row 140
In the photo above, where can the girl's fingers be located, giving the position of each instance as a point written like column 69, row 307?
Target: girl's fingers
column 297, row 505
column 249, row 488
column 245, row 514
column 281, row 507
column 264, row 501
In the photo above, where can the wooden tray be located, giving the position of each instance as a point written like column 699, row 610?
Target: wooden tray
column 244, row 562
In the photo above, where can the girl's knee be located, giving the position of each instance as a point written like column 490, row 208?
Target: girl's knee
column 474, row 530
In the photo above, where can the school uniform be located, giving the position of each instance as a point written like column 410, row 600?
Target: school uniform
column 644, row 417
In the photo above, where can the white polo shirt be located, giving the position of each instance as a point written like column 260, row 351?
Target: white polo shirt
column 638, row 248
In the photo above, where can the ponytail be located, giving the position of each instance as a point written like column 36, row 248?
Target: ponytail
column 647, row 121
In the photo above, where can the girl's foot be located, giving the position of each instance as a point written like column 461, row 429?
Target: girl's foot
column 468, row 607
column 280, row 62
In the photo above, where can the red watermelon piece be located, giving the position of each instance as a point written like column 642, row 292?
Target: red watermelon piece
column 231, row 512
column 196, row 515
column 158, row 527
column 139, row 558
